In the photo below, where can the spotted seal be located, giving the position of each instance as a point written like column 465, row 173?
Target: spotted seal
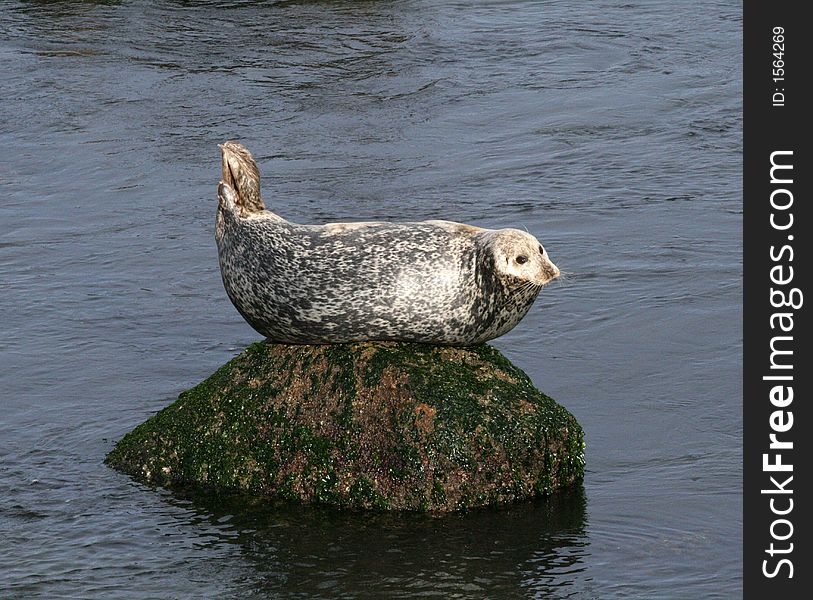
column 437, row 282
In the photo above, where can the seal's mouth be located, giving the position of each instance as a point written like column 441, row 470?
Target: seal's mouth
column 551, row 272
column 548, row 274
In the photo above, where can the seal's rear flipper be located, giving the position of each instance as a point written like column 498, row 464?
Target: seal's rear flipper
column 228, row 197
column 240, row 173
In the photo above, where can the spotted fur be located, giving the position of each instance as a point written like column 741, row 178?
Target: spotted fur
column 435, row 281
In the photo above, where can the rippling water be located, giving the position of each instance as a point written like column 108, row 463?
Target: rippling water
column 611, row 130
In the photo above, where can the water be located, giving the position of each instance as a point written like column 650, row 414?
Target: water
column 610, row 130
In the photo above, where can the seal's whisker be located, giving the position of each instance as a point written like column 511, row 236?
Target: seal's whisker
column 564, row 278
column 530, row 286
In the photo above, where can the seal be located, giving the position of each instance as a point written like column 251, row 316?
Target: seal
column 436, row 282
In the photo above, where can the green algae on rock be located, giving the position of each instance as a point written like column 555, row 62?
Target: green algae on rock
column 370, row 425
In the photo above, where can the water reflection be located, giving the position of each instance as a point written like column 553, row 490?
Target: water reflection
column 536, row 546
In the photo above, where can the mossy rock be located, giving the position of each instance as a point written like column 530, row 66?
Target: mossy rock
column 371, row 425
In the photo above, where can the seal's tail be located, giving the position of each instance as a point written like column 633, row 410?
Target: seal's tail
column 240, row 172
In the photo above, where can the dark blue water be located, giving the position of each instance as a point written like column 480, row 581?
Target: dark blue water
column 610, row 130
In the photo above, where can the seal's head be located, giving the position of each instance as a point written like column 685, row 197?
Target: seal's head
column 240, row 173
column 519, row 258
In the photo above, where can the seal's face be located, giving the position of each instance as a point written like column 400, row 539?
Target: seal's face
column 520, row 256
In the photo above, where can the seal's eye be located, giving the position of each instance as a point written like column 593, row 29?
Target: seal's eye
column 522, row 259
column 541, row 250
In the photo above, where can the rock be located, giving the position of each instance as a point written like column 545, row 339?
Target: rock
column 372, row 425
